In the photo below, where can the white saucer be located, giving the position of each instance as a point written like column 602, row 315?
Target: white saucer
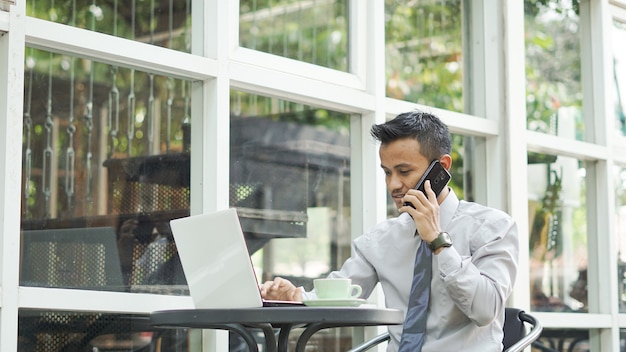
column 331, row 302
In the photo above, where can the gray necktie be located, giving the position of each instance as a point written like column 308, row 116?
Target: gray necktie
column 415, row 321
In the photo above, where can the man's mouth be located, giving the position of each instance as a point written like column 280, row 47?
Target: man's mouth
column 397, row 195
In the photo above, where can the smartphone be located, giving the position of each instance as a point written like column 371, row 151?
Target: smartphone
column 438, row 177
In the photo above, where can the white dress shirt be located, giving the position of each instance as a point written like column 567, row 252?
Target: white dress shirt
column 471, row 280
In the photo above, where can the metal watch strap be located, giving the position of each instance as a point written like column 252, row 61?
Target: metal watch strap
column 442, row 240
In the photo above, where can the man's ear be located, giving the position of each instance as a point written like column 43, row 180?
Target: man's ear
column 446, row 161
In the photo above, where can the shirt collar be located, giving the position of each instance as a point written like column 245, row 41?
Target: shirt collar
column 447, row 208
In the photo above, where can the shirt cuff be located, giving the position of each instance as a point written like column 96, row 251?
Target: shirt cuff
column 307, row 295
column 449, row 261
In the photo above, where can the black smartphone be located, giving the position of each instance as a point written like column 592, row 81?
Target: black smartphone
column 438, row 177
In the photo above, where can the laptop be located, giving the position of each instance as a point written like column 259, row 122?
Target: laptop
column 216, row 262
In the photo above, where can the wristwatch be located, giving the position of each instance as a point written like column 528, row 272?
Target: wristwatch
column 442, row 240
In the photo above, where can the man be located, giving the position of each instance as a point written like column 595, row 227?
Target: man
column 471, row 278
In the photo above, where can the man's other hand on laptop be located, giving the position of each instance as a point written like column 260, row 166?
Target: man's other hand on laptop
column 280, row 289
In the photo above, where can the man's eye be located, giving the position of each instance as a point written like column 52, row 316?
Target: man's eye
column 404, row 172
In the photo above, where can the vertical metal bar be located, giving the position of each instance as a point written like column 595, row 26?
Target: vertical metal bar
column 89, row 154
column 300, row 28
column 70, row 154
column 254, row 23
column 151, row 114
column 130, row 131
column 48, row 152
column 28, row 124
column 151, row 96
column 330, row 18
column 113, row 110
column 114, row 96
column 89, row 124
column 314, row 36
column 270, row 6
column 285, row 34
column 171, row 84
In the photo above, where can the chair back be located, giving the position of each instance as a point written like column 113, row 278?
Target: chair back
column 515, row 336
column 514, row 329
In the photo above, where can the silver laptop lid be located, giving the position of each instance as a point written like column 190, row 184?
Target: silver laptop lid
column 215, row 260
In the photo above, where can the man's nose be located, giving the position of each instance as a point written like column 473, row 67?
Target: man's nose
column 394, row 182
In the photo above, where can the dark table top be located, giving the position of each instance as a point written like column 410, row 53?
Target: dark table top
column 312, row 319
column 277, row 316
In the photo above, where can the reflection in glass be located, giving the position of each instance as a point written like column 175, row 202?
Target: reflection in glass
column 619, row 75
column 558, row 235
column 290, row 163
column 619, row 176
column 553, row 73
column 424, row 54
column 94, row 331
column 563, row 340
column 290, row 173
column 106, row 166
column 165, row 23
column 310, row 31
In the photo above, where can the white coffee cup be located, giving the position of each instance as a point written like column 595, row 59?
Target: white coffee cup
column 336, row 289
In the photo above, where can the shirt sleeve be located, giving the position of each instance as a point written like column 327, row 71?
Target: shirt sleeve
column 359, row 270
column 480, row 283
column 449, row 261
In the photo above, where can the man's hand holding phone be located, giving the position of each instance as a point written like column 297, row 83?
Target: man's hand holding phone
column 438, row 177
column 421, row 202
column 424, row 210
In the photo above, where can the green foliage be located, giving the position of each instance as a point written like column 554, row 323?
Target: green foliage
column 146, row 21
column 546, row 231
column 553, row 68
column 534, row 7
column 308, row 32
column 424, row 62
column 244, row 104
column 424, row 52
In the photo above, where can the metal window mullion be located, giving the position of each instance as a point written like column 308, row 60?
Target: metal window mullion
column 212, row 28
column 514, row 120
column 11, row 109
column 601, row 212
column 366, row 21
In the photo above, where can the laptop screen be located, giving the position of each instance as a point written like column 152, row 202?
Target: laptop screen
column 215, row 260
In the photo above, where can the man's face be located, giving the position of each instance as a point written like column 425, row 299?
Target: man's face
column 403, row 165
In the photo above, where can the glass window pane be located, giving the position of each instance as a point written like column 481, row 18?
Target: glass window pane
column 558, row 233
column 619, row 176
column 311, row 31
column 166, row 23
column 619, row 75
column 553, row 73
column 563, row 340
column 424, row 54
column 93, row 331
column 106, row 166
column 290, row 163
column 290, row 169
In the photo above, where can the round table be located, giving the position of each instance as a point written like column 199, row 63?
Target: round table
column 312, row 319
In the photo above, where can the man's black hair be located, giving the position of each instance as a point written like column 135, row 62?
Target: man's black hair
column 431, row 133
